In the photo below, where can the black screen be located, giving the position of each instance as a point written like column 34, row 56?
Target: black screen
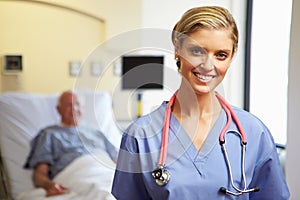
column 142, row 72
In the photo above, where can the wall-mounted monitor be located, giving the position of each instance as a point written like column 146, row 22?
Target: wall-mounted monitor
column 12, row 64
column 142, row 72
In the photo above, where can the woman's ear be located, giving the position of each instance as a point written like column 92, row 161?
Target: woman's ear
column 176, row 53
column 176, row 49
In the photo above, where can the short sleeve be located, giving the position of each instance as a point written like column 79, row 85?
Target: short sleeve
column 128, row 176
column 40, row 151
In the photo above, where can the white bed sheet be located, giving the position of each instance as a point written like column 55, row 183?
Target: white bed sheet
column 87, row 178
column 22, row 115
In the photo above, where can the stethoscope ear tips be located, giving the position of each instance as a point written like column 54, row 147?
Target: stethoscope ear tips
column 223, row 190
column 239, row 192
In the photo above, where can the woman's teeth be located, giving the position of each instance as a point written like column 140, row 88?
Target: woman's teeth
column 203, row 77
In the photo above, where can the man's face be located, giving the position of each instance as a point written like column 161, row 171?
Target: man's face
column 69, row 109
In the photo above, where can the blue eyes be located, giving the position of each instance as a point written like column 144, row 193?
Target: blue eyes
column 222, row 56
column 198, row 51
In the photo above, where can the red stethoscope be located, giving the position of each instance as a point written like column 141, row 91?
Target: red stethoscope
column 162, row 176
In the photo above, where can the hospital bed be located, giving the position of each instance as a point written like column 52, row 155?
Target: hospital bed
column 22, row 115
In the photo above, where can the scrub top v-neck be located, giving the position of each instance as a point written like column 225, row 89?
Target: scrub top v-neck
column 194, row 174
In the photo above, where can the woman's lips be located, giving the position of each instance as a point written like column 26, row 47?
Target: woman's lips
column 204, row 78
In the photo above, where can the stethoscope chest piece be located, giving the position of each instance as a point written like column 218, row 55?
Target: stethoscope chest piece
column 161, row 175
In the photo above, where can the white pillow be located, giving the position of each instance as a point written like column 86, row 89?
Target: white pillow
column 97, row 112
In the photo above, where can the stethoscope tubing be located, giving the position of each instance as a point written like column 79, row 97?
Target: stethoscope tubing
column 230, row 115
column 165, row 136
column 162, row 176
column 230, row 171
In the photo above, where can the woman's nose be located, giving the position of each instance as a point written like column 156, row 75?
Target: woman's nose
column 206, row 63
column 209, row 65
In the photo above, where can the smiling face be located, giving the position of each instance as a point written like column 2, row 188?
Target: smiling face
column 205, row 56
column 205, row 41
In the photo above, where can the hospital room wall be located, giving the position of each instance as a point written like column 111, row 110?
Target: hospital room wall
column 162, row 16
column 293, row 137
column 233, row 85
column 46, row 62
column 51, row 34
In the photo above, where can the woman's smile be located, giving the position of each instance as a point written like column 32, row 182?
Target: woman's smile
column 205, row 78
column 205, row 57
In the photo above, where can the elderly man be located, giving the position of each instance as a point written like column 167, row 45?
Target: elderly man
column 56, row 146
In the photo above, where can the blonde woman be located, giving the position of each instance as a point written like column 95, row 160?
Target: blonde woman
column 194, row 146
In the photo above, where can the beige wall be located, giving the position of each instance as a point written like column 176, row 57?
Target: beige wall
column 50, row 35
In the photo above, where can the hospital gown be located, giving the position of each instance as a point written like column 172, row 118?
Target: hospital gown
column 196, row 174
column 59, row 146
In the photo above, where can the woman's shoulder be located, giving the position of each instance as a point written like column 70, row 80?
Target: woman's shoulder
column 256, row 131
column 247, row 117
column 252, row 124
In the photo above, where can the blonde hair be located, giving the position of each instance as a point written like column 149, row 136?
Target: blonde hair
column 208, row 17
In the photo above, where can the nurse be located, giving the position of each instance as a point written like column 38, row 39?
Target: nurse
column 205, row 41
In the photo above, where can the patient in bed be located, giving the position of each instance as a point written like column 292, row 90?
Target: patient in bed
column 56, row 146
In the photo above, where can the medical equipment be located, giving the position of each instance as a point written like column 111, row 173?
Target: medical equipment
column 162, row 176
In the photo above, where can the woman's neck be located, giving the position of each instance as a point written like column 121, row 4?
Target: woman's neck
column 197, row 114
column 190, row 104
